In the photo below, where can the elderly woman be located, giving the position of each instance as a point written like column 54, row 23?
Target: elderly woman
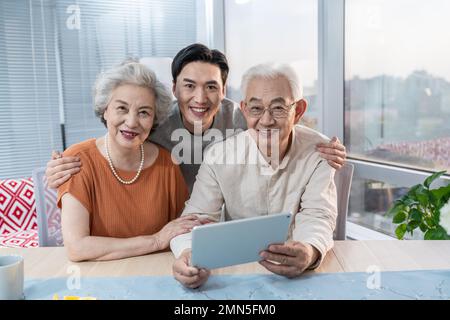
column 128, row 194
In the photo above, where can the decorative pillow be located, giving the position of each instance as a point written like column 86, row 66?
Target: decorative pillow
column 17, row 210
column 23, row 239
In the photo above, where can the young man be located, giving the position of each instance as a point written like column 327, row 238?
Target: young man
column 274, row 168
column 201, row 115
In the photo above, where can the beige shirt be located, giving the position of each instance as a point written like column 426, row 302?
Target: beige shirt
column 235, row 176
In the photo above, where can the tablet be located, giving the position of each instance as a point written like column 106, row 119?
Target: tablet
column 234, row 242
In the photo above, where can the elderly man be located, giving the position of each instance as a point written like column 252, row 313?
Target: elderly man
column 199, row 81
column 288, row 176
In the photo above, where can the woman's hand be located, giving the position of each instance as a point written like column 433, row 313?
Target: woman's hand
column 174, row 228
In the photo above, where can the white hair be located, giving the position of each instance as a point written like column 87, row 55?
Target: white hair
column 131, row 71
column 272, row 71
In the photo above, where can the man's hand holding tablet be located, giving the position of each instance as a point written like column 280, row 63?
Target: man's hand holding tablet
column 291, row 258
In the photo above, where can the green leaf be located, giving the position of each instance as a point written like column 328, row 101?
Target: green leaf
column 422, row 196
column 445, row 198
column 423, row 227
column 400, row 231
column 430, row 222
column 436, row 216
column 433, row 177
column 399, row 217
column 440, row 193
column 410, row 202
column 414, row 188
column 432, row 197
column 412, row 225
column 395, row 209
column 437, row 233
column 416, row 215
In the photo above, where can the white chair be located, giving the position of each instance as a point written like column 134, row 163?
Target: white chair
column 343, row 181
column 48, row 213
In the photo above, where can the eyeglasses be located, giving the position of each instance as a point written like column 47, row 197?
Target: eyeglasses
column 277, row 110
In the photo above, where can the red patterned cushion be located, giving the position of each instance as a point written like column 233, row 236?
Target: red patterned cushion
column 17, row 212
column 23, row 239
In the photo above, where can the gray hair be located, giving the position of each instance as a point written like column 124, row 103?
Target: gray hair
column 272, row 71
column 131, row 71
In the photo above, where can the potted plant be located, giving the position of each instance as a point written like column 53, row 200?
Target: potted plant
column 424, row 208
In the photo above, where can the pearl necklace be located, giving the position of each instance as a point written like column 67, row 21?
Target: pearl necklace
column 114, row 170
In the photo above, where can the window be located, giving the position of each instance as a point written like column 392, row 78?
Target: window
column 29, row 101
column 258, row 31
column 397, row 86
column 373, row 198
column 51, row 52
column 110, row 31
column 397, row 98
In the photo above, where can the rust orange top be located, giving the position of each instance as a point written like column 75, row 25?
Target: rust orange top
column 119, row 210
